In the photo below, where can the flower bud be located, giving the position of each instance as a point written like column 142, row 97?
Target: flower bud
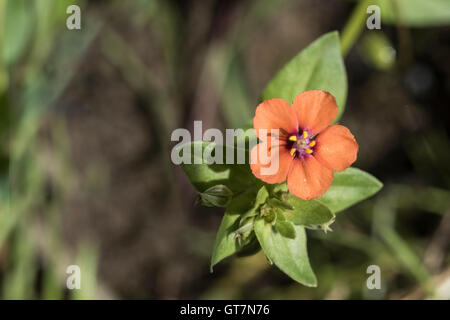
column 216, row 196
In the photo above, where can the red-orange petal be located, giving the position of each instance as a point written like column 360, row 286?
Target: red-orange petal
column 275, row 167
column 308, row 179
column 336, row 148
column 315, row 110
column 274, row 114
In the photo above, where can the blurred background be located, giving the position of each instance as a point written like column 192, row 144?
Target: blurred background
column 85, row 123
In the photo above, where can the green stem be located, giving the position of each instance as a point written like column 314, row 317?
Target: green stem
column 354, row 26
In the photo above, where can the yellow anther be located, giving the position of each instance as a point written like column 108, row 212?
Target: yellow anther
column 293, row 151
column 293, row 138
column 312, row 144
column 305, row 134
column 307, row 150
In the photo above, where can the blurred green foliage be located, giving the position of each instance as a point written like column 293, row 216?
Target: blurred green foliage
column 30, row 229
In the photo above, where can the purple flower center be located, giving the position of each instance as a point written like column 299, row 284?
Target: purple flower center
column 301, row 144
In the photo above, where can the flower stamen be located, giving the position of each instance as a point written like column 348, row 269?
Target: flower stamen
column 301, row 144
column 292, row 152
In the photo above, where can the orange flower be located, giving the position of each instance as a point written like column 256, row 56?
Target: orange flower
column 307, row 148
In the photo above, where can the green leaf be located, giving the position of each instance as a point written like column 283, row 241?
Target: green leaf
column 280, row 188
column 242, row 202
column 244, row 229
column 237, row 177
column 318, row 66
column 350, row 187
column 280, row 215
column 280, row 204
column 226, row 243
column 415, row 13
column 286, row 229
column 290, row 255
column 308, row 212
column 261, row 197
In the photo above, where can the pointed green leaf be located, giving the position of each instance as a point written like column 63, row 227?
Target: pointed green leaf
column 349, row 187
column 286, row 229
column 242, row 202
column 308, row 212
column 318, row 66
column 290, row 255
column 226, row 243
column 280, row 215
column 280, row 204
column 261, row 197
column 279, row 188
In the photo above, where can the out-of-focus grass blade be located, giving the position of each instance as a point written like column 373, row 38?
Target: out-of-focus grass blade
column 18, row 27
column 430, row 199
column 38, row 96
column 408, row 258
column 19, row 281
column 87, row 261
column 383, row 225
column 3, row 74
column 42, row 92
column 51, row 284
column 26, row 188
column 415, row 13
column 237, row 108
column 50, row 19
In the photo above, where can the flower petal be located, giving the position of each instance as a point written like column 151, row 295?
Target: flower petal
column 308, row 179
column 315, row 110
column 336, row 148
column 271, row 165
column 275, row 114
